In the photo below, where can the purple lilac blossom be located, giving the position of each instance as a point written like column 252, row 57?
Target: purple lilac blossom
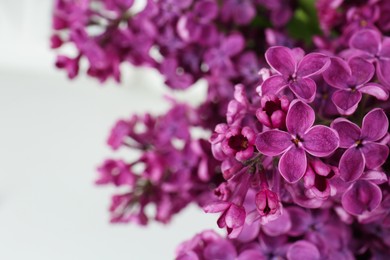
column 301, row 138
column 363, row 149
column 283, row 187
column 293, row 70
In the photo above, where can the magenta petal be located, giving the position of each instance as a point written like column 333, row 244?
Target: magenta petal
column 375, row 154
column 273, row 142
column 304, row 88
column 375, row 125
column 273, row 85
column 300, row 219
column 351, row 164
column 385, row 49
column 233, row 44
column 348, row 132
column 366, row 40
column 375, row 90
column 362, row 196
column 292, row 164
column 235, row 216
column 320, row 141
column 300, row 117
column 383, row 72
column 219, row 249
column 303, row 250
column 312, row 64
column 346, row 101
column 281, row 59
column 338, row 73
column 362, row 70
column 251, row 254
column 279, row 226
column 216, row 207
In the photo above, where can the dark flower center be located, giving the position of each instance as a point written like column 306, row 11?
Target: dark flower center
column 297, row 140
column 266, row 209
column 320, row 182
column 291, row 79
column 359, row 143
column 238, row 142
column 272, row 106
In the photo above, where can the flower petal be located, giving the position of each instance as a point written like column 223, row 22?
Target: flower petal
column 312, row 64
column 273, row 142
column 281, row 59
column 383, row 72
column 321, row 141
column 292, row 164
column 385, row 48
column 233, row 44
column 279, row 226
column 366, row 40
column 303, row 250
column 362, row 196
column 375, row 90
column 351, row 164
column 272, row 85
column 375, row 125
column 362, row 70
column 375, row 154
column 338, row 73
column 300, row 117
column 304, row 88
column 348, row 132
column 301, row 220
column 235, row 216
column 216, row 207
column 346, row 101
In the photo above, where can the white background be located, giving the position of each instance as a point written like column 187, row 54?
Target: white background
column 52, row 137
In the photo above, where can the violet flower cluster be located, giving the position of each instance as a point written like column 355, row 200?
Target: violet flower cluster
column 296, row 165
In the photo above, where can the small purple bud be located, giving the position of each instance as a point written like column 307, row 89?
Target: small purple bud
column 273, row 111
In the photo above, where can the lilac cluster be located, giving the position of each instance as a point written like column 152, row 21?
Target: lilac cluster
column 184, row 40
column 298, row 234
column 316, row 136
column 172, row 166
column 297, row 161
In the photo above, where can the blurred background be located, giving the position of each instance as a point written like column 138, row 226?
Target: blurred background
column 52, row 137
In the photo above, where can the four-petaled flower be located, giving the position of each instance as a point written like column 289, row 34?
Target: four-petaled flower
column 351, row 81
column 363, row 149
column 301, row 137
column 294, row 71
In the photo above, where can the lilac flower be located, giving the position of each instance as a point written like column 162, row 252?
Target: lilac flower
column 118, row 5
column 273, row 111
column 317, row 177
column 303, row 250
column 176, row 77
column 239, row 142
column 240, row 11
column 206, row 245
column 362, row 196
column 232, row 217
column 117, row 173
column 351, row 79
column 268, row 205
column 69, row 64
column 197, row 25
column 363, row 149
column 301, row 137
column 370, row 45
column 293, row 71
column 219, row 59
column 248, row 66
column 280, row 11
